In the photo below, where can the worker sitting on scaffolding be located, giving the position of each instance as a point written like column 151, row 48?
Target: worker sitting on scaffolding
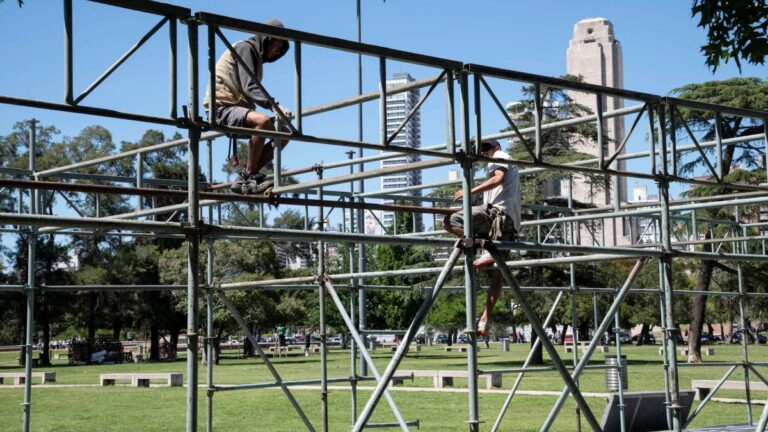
column 237, row 95
column 498, row 218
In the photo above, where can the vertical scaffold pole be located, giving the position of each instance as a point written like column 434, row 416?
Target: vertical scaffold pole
column 666, row 240
column 663, row 316
column 211, row 343
column 68, row 95
column 193, row 238
column 139, row 180
column 297, row 86
column 362, row 321
column 470, row 282
column 353, row 289
column 450, row 111
column 745, row 349
column 30, row 288
column 321, row 299
column 173, row 74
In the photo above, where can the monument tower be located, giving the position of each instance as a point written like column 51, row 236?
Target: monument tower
column 595, row 55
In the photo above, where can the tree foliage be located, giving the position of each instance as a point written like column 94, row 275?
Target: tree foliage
column 736, row 30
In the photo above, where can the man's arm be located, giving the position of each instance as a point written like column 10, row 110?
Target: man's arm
column 496, row 179
column 253, row 61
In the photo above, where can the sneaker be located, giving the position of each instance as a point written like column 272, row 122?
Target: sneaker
column 250, row 184
column 482, row 328
column 484, row 260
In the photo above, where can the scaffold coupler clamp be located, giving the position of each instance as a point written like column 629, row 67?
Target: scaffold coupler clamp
column 322, row 278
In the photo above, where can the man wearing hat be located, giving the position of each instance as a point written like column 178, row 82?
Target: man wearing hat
column 497, row 218
column 237, row 95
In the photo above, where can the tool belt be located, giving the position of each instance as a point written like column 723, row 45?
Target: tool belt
column 501, row 225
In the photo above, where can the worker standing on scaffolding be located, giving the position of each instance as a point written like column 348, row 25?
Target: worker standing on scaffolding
column 237, row 95
column 498, row 218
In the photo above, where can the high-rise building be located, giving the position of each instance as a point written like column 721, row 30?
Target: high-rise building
column 595, row 55
column 398, row 107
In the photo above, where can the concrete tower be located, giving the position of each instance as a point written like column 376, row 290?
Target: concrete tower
column 595, row 55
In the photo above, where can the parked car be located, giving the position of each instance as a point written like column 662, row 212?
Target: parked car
column 623, row 338
column 704, row 338
column 420, row 339
column 761, row 339
column 441, row 339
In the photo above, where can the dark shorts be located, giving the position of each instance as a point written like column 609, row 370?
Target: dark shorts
column 235, row 116
column 482, row 218
column 231, row 115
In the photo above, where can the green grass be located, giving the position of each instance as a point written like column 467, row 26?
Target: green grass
column 121, row 408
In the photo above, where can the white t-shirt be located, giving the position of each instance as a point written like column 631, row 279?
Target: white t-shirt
column 505, row 196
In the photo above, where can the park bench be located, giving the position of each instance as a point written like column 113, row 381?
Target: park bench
column 441, row 379
column 412, row 347
column 403, row 375
column 583, row 347
column 19, row 377
column 459, row 348
column 703, row 387
column 142, row 379
column 684, row 351
column 445, row 378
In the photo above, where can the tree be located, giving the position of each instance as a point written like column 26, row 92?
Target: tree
column 750, row 93
column 51, row 257
column 736, row 29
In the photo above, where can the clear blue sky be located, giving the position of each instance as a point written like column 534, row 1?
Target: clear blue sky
column 660, row 43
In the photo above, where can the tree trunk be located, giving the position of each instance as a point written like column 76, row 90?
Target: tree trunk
column 538, row 354
column 154, row 341
column 698, row 310
column 117, row 328
column 174, row 343
column 217, row 346
column 643, row 334
column 584, row 331
column 45, row 321
column 92, row 303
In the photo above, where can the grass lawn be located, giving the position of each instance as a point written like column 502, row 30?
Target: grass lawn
column 90, row 407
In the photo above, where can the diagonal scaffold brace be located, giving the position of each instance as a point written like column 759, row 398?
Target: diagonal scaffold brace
column 527, row 363
column 537, row 327
column 381, row 386
column 276, row 375
column 325, row 283
column 602, row 328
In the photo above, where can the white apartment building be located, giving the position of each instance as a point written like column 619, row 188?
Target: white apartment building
column 398, row 107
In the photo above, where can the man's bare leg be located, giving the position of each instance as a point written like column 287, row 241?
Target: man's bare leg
column 494, row 292
column 256, row 120
column 267, row 153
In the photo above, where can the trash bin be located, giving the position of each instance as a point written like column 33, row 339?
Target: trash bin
column 612, row 373
column 505, row 345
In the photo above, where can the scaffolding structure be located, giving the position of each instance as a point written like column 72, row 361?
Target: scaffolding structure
column 746, row 239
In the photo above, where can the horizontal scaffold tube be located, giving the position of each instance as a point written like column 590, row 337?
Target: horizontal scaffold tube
column 88, row 222
column 182, row 195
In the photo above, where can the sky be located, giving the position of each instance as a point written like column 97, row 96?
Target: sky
column 660, row 43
